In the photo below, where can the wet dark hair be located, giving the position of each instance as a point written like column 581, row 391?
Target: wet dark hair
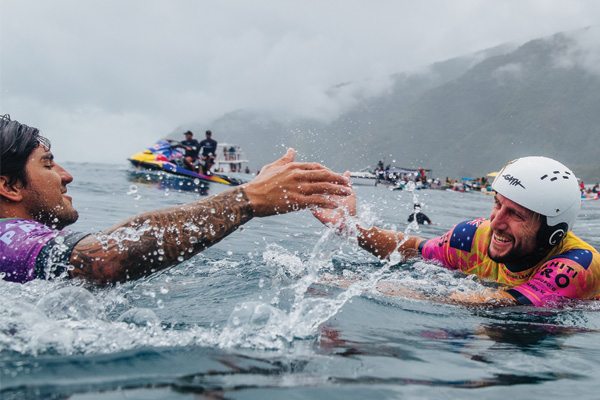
column 209, row 133
column 17, row 142
column 188, row 133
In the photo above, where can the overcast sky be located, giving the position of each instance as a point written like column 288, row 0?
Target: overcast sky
column 104, row 79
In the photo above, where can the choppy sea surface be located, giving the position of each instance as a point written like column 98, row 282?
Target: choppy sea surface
column 254, row 317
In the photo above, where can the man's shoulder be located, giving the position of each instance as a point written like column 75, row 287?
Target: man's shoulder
column 577, row 250
column 464, row 233
column 13, row 230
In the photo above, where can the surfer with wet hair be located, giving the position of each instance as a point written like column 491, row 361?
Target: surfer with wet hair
column 526, row 245
column 35, row 209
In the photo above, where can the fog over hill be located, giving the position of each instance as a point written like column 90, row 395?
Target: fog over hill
column 461, row 117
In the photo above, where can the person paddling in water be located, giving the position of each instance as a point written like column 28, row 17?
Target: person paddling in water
column 35, row 208
column 420, row 216
column 526, row 245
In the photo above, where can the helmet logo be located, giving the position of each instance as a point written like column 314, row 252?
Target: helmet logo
column 513, row 181
column 566, row 175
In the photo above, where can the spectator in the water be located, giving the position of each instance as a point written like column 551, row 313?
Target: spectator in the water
column 420, row 216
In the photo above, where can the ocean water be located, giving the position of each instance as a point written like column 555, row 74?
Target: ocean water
column 259, row 316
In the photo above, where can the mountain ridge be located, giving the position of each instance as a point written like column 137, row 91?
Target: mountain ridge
column 461, row 117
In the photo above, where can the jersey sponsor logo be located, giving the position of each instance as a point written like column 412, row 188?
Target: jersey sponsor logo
column 559, row 274
column 7, row 237
column 582, row 257
column 463, row 235
column 513, row 181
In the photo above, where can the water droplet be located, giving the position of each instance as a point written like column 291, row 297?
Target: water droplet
column 133, row 189
column 139, row 317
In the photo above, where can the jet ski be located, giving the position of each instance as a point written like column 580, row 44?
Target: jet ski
column 167, row 156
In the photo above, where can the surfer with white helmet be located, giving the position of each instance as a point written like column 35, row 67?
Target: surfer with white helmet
column 526, row 245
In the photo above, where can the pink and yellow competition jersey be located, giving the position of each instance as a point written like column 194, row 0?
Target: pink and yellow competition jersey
column 570, row 271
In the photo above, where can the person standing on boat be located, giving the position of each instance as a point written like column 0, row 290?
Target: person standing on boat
column 192, row 148
column 527, row 245
column 35, row 209
column 209, row 152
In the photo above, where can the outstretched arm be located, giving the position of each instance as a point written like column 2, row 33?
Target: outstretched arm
column 382, row 243
column 155, row 240
column 379, row 242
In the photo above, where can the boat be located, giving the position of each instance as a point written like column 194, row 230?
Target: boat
column 164, row 161
column 168, row 181
column 363, row 177
column 230, row 159
column 393, row 176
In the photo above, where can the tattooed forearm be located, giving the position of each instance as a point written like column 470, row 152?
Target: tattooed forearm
column 155, row 240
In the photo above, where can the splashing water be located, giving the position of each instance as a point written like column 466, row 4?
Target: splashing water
column 273, row 326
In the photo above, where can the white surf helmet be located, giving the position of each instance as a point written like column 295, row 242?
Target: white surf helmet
column 545, row 186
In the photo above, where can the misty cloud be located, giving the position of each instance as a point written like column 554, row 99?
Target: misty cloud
column 508, row 71
column 583, row 51
column 104, row 78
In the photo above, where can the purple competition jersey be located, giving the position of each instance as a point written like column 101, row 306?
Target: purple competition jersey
column 30, row 250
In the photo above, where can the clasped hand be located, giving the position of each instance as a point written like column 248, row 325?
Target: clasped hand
column 285, row 185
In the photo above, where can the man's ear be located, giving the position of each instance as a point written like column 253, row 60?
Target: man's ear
column 8, row 191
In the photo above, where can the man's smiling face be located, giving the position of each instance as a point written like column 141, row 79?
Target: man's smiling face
column 514, row 231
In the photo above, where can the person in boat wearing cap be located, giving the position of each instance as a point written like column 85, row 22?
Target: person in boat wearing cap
column 526, row 245
column 192, row 148
column 209, row 152
column 35, row 209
